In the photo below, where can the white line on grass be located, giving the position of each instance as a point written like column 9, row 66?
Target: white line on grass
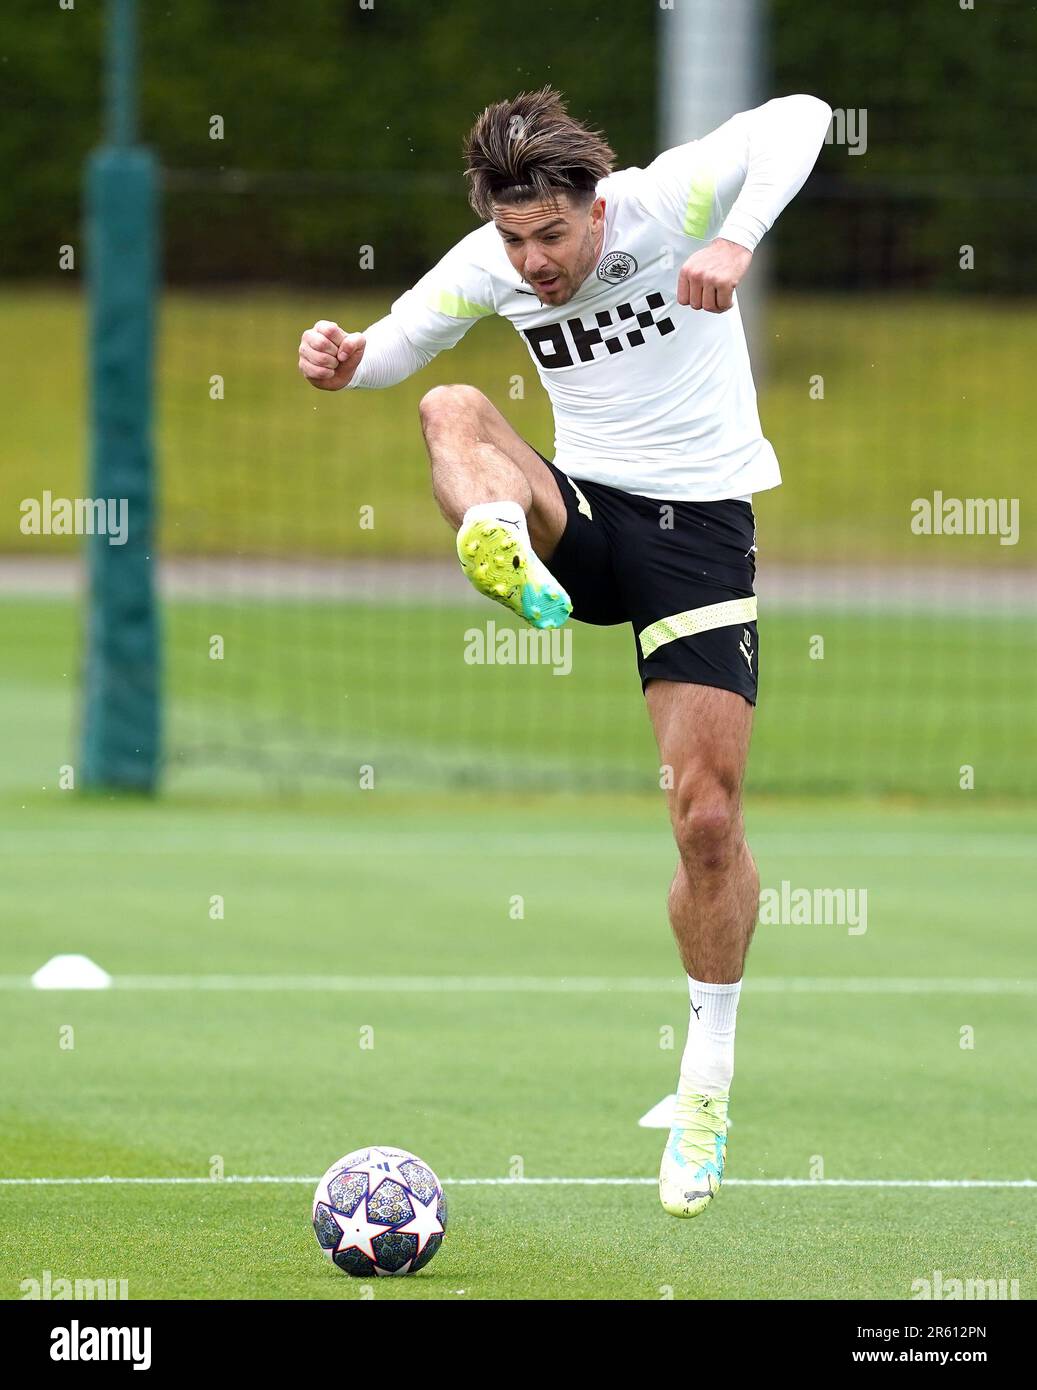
column 541, row 1182
column 531, row 984
column 385, row 842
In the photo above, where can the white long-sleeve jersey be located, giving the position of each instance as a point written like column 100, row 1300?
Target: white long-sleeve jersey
column 649, row 396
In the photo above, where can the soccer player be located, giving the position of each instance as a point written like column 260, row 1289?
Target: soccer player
column 622, row 285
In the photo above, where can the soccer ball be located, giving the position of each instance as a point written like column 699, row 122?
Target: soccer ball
column 378, row 1212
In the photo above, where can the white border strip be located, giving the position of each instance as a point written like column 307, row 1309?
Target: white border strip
column 932, row 1183
column 532, row 984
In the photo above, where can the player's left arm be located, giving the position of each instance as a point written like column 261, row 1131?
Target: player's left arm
column 736, row 181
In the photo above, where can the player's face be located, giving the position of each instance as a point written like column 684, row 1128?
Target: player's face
column 553, row 246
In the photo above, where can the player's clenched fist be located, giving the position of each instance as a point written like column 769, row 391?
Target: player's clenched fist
column 709, row 277
column 328, row 357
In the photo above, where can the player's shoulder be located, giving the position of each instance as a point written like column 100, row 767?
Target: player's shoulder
column 674, row 194
column 620, row 183
column 635, row 191
column 480, row 248
column 477, row 267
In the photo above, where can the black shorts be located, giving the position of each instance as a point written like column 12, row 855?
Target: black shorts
column 680, row 572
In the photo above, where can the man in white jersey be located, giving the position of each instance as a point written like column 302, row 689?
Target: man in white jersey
column 622, row 286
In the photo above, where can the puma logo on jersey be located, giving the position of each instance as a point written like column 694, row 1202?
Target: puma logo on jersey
column 745, row 646
column 563, row 344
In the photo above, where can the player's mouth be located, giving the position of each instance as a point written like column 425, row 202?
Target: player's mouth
column 547, row 286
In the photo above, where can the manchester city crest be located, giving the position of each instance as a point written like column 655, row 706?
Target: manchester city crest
column 616, row 266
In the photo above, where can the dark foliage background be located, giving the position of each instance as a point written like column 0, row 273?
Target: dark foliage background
column 343, row 127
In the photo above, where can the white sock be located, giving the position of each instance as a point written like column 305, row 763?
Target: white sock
column 708, row 1063
column 499, row 511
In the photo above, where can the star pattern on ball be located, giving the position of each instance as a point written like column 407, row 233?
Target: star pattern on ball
column 358, row 1231
column 380, row 1168
column 425, row 1222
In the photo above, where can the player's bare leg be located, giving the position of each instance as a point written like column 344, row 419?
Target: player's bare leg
column 502, row 499
column 703, row 736
column 476, row 456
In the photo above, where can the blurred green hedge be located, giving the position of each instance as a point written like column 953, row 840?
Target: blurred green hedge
column 343, row 127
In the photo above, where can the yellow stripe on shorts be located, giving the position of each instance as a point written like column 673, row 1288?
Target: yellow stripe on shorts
column 735, row 610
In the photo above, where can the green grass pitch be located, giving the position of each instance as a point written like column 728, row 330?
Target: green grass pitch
column 276, row 1083
column 899, row 704
column 843, row 1062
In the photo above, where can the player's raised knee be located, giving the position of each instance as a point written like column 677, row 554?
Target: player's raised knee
column 449, row 403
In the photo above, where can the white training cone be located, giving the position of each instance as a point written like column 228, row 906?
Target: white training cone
column 71, row 972
column 660, row 1116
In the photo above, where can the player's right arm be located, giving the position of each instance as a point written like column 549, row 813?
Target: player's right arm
column 428, row 319
column 727, row 189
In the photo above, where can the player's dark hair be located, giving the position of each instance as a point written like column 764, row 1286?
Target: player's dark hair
column 529, row 150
